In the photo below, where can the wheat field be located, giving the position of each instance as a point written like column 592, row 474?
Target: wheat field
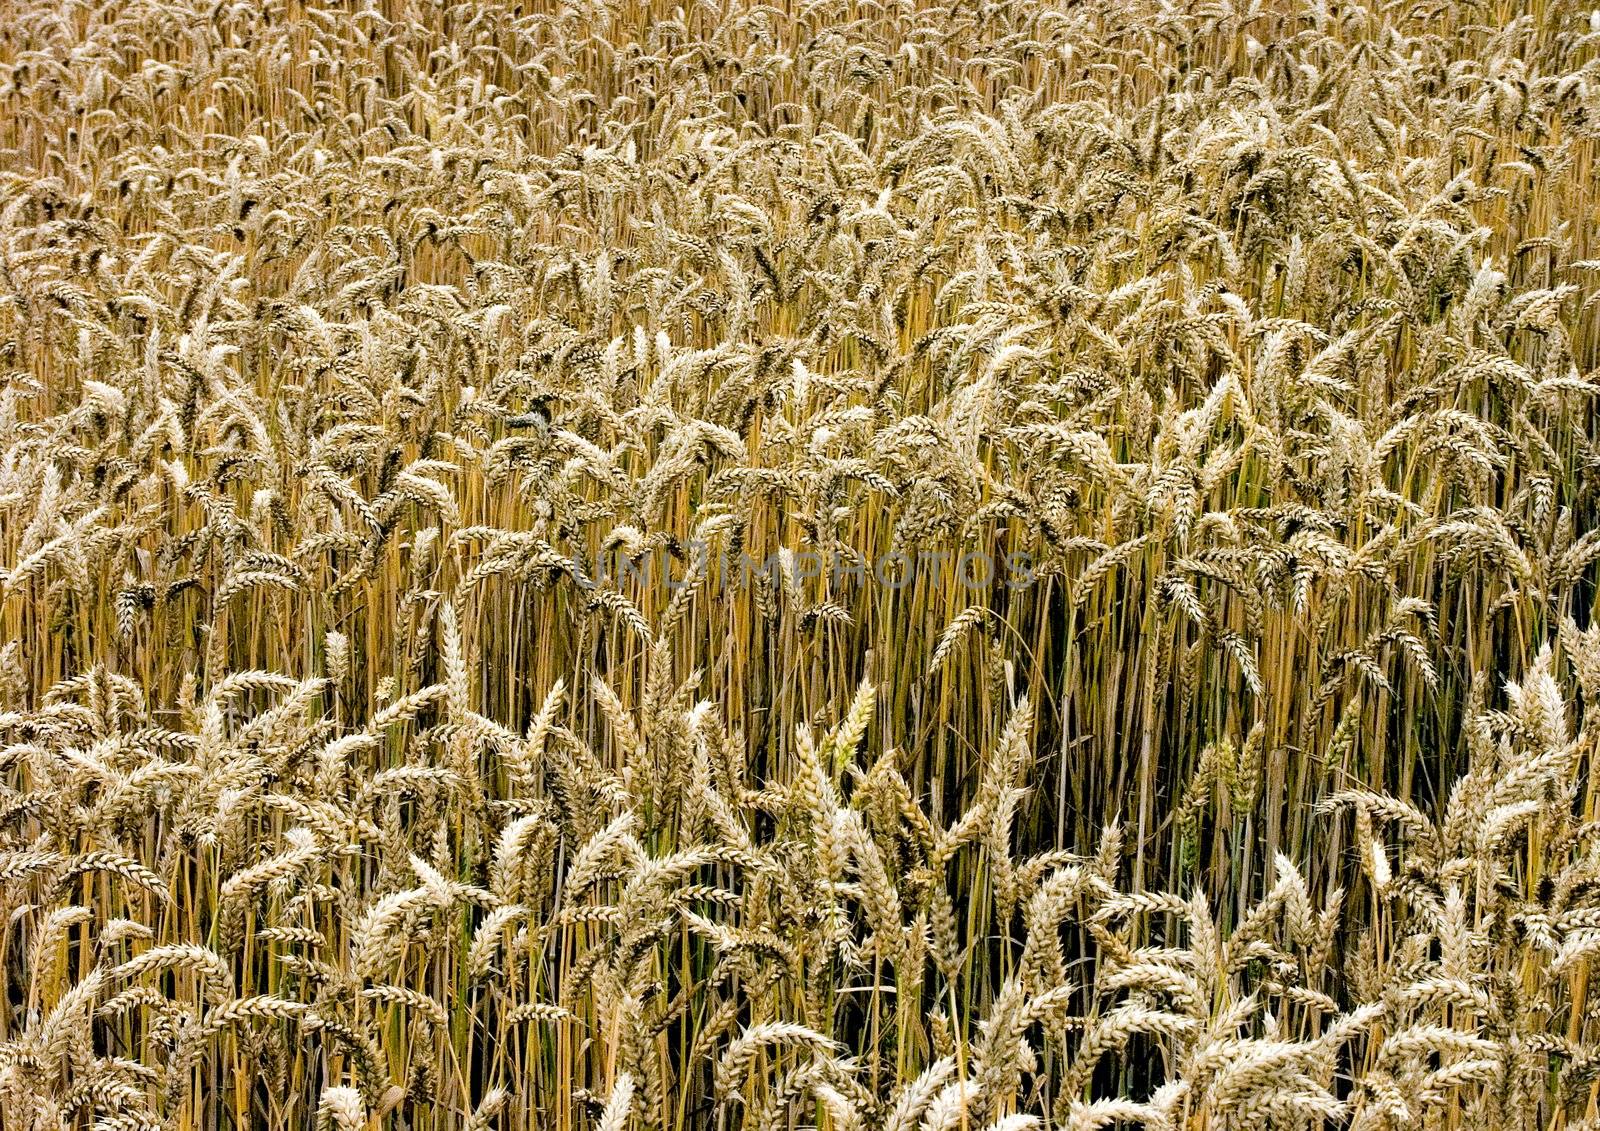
column 870, row 565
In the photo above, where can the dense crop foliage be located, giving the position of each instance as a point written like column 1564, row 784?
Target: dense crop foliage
column 857, row 565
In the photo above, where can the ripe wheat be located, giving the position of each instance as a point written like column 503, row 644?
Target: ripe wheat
column 421, row 702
